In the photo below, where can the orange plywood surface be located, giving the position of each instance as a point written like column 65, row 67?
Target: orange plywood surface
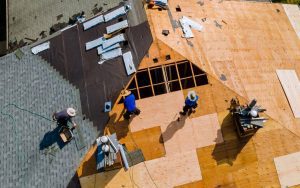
column 160, row 110
column 177, row 169
column 88, row 165
column 148, row 141
column 246, row 50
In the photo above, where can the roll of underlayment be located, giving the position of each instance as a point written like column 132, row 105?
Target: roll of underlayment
column 124, row 159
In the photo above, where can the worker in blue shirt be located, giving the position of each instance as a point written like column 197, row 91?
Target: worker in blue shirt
column 129, row 104
column 190, row 103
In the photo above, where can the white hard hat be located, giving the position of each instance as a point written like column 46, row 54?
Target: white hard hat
column 104, row 139
column 71, row 112
column 253, row 113
column 105, row 148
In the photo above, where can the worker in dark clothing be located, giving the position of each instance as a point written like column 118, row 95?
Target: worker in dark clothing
column 129, row 104
column 65, row 116
column 190, row 103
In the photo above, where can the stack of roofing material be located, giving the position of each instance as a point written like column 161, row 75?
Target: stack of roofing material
column 110, row 48
column 103, row 158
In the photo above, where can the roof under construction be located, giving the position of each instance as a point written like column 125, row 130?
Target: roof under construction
column 236, row 54
column 220, row 49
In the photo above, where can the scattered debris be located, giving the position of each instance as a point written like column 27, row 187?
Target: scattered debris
column 162, row 4
column 173, row 22
column 178, row 9
column 12, row 46
column 32, row 40
column 201, row 3
column 79, row 17
column 223, row 77
column 218, row 25
column 190, row 43
column 58, row 17
column 96, row 10
column 203, row 19
column 165, row 32
column 57, row 27
column 187, row 24
column 43, row 34
column 277, row 10
column 19, row 54
column 40, row 47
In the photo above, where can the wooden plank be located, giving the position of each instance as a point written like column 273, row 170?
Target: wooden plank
column 293, row 13
column 291, row 87
column 287, row 167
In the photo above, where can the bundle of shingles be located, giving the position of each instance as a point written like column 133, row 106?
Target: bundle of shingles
column 108, row 149
column 108, row 46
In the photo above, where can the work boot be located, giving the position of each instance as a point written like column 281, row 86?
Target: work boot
column 182, row 113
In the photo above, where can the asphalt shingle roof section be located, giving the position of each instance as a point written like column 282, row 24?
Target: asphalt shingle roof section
column 99, row 83
column 28, row 18
column 32, row 154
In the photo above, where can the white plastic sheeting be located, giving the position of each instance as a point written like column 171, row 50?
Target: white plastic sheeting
column 128, row 61
column 186, row 24
column 114, row 40
column 41, row 47
column 101, row 50
column 94, row 43
column 114, row 14
column 117, row 26
column 93, row 22
column 110, row 55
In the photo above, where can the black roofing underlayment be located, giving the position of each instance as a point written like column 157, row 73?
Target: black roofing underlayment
column 97, row 83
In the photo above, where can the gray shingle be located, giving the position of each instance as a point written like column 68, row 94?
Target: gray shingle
column 34, row 86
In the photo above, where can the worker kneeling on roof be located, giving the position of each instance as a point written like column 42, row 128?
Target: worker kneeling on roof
column 65, row 116
column 190, row 103
column 129, row 104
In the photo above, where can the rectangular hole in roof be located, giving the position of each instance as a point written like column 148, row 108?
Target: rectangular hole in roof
column 201, row 80
column 187, row 83
column 143, row 78
column 174, row 86
column 197, row 70
column 171, row 72
column 184, row 70
column 146, row 92
column 160, row 89
column 157, row 75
